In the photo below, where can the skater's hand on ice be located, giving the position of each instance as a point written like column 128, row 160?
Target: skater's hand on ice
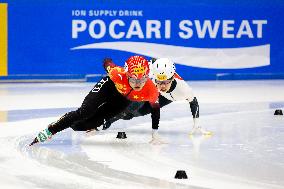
column 200, row 130
column 195, row 123
column 196, row 129
column 156, row 139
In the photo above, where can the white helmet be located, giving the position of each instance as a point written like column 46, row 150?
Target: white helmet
column 163, row 69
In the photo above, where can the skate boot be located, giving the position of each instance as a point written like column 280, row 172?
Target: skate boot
column 42, row 136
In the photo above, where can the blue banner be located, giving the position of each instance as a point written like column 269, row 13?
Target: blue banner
column 206, row 39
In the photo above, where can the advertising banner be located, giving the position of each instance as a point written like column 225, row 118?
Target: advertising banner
column 206, row 40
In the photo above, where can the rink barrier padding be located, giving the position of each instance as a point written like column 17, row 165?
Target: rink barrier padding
column 43, row 78
column 97, row 77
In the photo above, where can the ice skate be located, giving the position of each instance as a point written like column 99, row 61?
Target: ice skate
column 42, row 136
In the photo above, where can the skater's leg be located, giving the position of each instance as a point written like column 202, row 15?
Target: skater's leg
column 91, row 103
column 108, row 111
column 99, row 95
column 131, row 111
column 135, row 109
column 146, row 108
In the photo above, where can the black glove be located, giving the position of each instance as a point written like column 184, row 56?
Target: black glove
column 107, row 62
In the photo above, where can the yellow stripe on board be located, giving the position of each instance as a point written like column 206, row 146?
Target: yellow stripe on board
column 3, row 39
column 3, row 116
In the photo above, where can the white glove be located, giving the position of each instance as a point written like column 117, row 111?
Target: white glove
column 195, row 122
column 197, row 128
column 156, row 139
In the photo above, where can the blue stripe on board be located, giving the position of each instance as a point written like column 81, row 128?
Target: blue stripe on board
column 19, row 115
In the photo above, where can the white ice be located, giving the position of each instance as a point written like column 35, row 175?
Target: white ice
column 246, row 149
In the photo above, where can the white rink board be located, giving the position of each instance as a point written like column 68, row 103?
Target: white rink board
column 245, row 151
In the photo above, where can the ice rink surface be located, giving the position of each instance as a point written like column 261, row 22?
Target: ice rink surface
column 245, row 151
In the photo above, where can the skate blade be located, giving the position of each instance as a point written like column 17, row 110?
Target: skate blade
column 34, row 142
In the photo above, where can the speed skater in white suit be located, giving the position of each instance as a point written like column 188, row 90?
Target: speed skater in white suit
column 172, row 88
